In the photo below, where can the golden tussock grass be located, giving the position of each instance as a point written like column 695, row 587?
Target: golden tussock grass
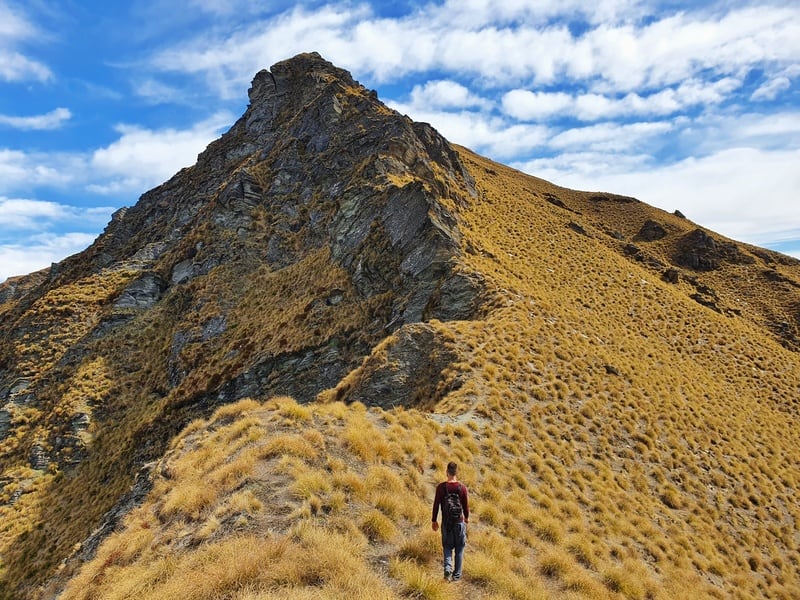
column 619, row 440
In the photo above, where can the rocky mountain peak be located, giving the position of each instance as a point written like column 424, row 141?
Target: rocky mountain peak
column 294, row 82
column 319, row 224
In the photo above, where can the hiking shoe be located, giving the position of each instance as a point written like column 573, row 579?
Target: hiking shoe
column 447, row 575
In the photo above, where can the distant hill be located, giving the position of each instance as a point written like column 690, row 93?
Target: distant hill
column 248, row 386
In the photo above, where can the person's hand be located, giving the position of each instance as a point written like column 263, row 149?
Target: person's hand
column 435, row 525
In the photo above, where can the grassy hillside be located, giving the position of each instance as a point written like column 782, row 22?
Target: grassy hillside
column 622, row 435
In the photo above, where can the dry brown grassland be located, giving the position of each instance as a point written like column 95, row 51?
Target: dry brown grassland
column 618, row 439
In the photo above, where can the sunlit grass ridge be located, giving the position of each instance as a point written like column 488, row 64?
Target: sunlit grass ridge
column 618, row 438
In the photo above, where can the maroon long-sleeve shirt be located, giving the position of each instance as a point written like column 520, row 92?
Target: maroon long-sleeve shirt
column 440, row 492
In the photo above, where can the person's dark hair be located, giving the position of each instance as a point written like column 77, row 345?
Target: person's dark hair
column 452, row 468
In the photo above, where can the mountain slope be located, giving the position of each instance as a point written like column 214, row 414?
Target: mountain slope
column 620, row 385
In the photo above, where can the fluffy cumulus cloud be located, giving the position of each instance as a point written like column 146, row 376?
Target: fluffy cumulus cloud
column 39, row 251
column 446, row 95
column 530, row 105
column 35, row 233
column 527, row 105
column 21, row 170
column 21, row 213
column 142, row 158
column 36, row 215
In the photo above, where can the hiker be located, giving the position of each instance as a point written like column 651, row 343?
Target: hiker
column 453, row 498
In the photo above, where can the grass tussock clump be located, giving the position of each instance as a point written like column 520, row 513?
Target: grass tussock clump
column 420, row 582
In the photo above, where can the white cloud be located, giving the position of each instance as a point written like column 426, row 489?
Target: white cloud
column 52, row 120
column 142, row 158
column 586, row 163
column 502, row 45
column 21, row 213
column 13, row 25
column 18, row 214
column 609, row 136
column 446, row 94
column 15, row 66
column 40, row 252
column 25, row 170
column 683, row 46
column 227, row 61
column 527, row 105
column 533, row 106
column 157, row 92
column 770, row 89
column 744, row 193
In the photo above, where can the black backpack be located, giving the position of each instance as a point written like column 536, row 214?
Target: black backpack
column 451, row 511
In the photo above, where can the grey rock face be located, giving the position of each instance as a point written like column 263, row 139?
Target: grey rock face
column 5, row 423
column 39, row 460
column 184, row 271
column 405, row 372
column 80, row 422
column 701, row 252
column 19, row 393
column 142, row 293
column 300, row 375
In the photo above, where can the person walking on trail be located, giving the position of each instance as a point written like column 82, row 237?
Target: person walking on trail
column 453, row 498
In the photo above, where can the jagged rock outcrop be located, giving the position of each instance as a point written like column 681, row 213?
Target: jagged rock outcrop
column 316, row 160
column 142, row 293
column 318, row 225
column 702, row 252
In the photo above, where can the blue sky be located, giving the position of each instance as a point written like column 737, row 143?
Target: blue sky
column 685, row 105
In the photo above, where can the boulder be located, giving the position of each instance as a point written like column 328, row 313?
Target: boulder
column 651, row 231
